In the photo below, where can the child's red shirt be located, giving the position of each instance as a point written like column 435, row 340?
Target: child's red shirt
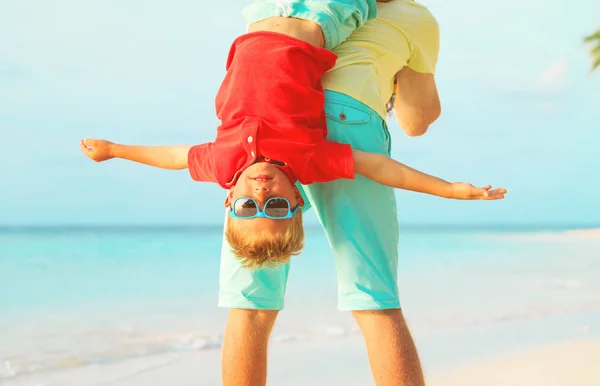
column 271, row 105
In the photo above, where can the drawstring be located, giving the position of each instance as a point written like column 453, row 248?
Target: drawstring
column 282, row 7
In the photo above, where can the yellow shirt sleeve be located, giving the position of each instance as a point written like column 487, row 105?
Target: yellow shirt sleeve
column 425, row 49
column 405, row 33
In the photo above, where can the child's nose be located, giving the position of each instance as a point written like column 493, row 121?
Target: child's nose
column 260, row 190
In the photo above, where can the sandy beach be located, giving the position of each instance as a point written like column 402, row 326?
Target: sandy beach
column 318, row 363
column 567, row 364
column 293, row 364
column 593, row 233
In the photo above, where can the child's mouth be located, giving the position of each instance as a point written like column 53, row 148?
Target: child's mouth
column 261, row 177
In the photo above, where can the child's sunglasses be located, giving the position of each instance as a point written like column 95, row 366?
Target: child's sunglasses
column 277, row 208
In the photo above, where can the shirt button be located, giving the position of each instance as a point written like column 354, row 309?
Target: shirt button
column 250, row 139
column 252, row 153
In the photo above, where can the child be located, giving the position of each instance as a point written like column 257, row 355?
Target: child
column 265, row 192
column 273, row 129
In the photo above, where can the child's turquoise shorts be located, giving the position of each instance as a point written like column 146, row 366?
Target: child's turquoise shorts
column 360, row 220
column 337, row 18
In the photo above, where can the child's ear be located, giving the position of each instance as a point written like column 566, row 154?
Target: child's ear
column 298, row 196
column 229, row 198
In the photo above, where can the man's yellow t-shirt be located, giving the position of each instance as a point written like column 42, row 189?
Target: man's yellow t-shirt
column 404, row 33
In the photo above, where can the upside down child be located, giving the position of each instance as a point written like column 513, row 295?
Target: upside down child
column 273, row 129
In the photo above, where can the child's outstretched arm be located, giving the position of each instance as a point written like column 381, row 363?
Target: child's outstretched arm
column 164, row 157
column 386, row 171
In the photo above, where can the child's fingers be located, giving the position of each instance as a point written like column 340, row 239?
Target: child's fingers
column 487, row 193
column 477, row 194
column 497, row 194
column 83, row 146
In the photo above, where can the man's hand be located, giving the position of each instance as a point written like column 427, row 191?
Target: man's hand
column 464, row 191
column 97, row 149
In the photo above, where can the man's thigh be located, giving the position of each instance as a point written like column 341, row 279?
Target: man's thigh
column 359, row 216
column 258, row 289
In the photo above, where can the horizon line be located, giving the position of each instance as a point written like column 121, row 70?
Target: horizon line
column 415, row 226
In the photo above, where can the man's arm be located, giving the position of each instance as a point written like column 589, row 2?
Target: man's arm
column 164, row 157
column 417, row 103
column 386, row 171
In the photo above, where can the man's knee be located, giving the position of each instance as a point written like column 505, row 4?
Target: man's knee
column 394, row 313
column 379, row 318
column 257, row 319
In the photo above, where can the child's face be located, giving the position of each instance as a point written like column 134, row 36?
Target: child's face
column 262, row 181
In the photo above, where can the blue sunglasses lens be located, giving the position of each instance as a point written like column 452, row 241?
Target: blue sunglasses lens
column 277, row 207
column 245, row 207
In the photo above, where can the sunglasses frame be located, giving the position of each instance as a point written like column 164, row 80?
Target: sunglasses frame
column 262, row 213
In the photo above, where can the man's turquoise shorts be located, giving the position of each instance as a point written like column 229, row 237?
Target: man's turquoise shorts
column 337, row 18
column 359, row 218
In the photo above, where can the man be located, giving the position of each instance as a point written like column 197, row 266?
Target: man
column 395, row 54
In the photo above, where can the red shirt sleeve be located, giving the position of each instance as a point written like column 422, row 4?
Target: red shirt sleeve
column 201, row 163
column 329, row 161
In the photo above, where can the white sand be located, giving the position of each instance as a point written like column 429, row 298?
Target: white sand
column 593, row 233
column 569, row 364
column 333, row 362
column 337, row 362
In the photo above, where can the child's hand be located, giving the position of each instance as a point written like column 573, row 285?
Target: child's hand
column 463, row 191
column 97, row 149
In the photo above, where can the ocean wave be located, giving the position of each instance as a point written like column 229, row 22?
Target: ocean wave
column 111, row 346
column 100, row 347
column 64, row 351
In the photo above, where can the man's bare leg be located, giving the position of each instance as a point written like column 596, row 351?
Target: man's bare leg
column 392, row 353
column 244, row 361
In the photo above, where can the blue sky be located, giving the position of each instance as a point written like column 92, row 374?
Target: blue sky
column 521, row 110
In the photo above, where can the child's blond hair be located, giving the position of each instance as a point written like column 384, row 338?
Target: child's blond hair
column 266, row 249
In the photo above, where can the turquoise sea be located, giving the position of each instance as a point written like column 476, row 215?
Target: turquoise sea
column 71, row 297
